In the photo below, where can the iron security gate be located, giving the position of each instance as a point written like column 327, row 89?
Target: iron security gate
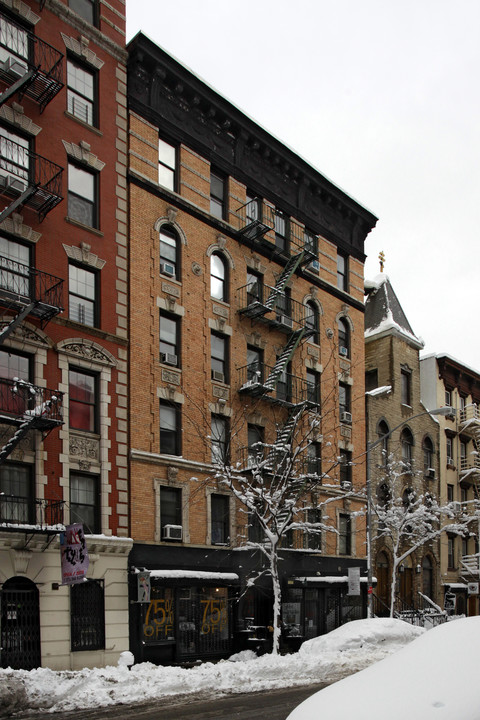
column 20, row 625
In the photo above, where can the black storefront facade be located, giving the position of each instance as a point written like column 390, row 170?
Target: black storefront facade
column 201, row 606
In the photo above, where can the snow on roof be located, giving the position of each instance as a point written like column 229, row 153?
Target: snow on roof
column 193, row 574
column 385, row 389
column 383, row 312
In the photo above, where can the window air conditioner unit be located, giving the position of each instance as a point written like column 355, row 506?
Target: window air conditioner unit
column 14, row 67
column 456, row 506
column 169, row 358
column 14, row 184
column 346, row 417
column 167, row 269
column 450, row 461
column 285, row 320
column 172, row 532
column 217, row 375
column 343, row 350
column 314, row 266
column 430, row 473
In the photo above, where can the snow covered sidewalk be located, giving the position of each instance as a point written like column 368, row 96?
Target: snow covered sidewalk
column 328, row 658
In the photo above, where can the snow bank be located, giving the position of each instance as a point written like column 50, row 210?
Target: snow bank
column 433, row 678
column 346, row 650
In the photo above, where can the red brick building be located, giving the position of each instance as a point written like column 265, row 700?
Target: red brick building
column 63, row 352
column 246, row 292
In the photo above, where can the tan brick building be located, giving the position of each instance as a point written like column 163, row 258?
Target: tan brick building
column 246, row 296
column 448, row 382
column 393, row 402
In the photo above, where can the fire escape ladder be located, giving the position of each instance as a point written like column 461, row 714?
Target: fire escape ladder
column 18, row 435
column 20, row 200
column 284, row 358
column 476, row 443
column 19, row 85
column 8, row 329
column 285, row 276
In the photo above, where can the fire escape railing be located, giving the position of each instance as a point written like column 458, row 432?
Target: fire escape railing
column 289, row 390
column 28, row 66
column 27, row 178
column 21, row 400
column 17, row 510
column 21, row 284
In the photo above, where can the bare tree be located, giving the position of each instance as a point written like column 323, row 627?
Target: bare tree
column 276, row 485
column 409, row 519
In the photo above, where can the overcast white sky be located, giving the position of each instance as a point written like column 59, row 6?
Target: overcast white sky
column 383, row 98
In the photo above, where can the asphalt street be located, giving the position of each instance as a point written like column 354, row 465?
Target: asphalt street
column 268, row 705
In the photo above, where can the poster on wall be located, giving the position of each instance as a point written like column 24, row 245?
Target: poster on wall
column 74, row 554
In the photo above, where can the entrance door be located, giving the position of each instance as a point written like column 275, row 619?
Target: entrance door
column 20, row 625
column 382, row 607
column 406, row 586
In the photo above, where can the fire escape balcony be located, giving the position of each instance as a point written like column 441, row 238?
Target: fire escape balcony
column 22, row 401
column 470, row 468
column 272, row 307
column 289, row 390
column 23, row 286
column 469, row 420
column 260, row 222
column 40, row 515
column 28, row 179
column 28, row 66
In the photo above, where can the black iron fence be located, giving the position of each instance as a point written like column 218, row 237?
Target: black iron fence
column 16, row 510
column 24, row 400
column 24, row 281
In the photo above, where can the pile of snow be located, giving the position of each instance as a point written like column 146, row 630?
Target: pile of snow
column 433, row 678
column 329, row 658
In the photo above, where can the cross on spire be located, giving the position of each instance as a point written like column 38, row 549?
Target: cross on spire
column 381, row 257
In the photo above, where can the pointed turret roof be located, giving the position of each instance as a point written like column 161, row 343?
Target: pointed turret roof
column 383, row 313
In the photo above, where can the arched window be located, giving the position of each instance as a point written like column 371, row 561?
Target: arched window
column 343, row 338
column 428, row 468
column 384, row 495
column 382, row 431
column 312, row 321
column 406, row 439
column 218, row 278
column 169, row 252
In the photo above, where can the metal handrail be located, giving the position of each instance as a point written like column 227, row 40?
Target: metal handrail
column 282, row 306
column 30, row 49
column 291, row 389
column 30, row 511
column 22, row 399
column 28, row 282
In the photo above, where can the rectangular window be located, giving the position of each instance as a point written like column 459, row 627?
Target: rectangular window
column 82, row 388
column 451, row 552
column 449, row 443
column 313, row 386
column 217, row 196
column 448, row 398
column 219, row 439
column 87, row 616
column 219, row 357
column 255, row 447
column 14, row 365
column 82, row 295
column 14, row 47
column 14, row 161
column 371, row 380
column 169, row 429
column 220, row 514
column 342, row 272
column 345, row 468
column 449, row 493
column 169, row 253
column 344, row 402
column 81, row 93
column 14, row 267
column 281, row 232
column 82, row 196
column 170, row 513
column 344, row 534
column 463, row 455
column 17, row 502
column 406, row 380
column 314, row 460
column 254, row 288
column 86, row 9
column 254, row 365
column 167, row 165
column 169, row 340
column 313, row 535
column 85, row 501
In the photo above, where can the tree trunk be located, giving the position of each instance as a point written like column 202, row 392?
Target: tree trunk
column 277, row 598
column 392, row 588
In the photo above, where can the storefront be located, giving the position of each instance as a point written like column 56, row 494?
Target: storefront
column 187, row 616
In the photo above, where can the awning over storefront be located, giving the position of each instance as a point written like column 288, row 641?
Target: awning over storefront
column 329, row 579
column 200, row 575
